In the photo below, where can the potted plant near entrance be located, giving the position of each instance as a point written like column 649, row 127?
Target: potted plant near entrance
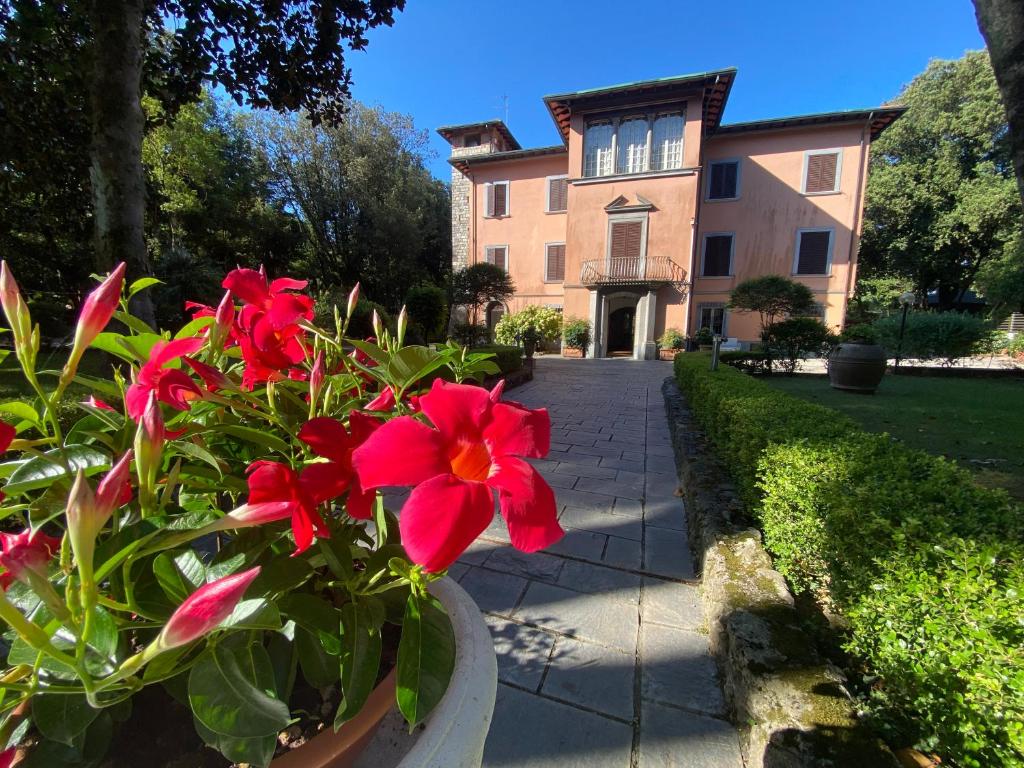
column 198, row 568
column 857, row 364
column 575, row 338
column 671, row 342
column 705, row 339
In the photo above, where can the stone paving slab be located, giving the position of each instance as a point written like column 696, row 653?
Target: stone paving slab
column 603, row 658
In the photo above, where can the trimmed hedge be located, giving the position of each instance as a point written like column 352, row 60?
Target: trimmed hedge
column 508, row 359
column 925, row 567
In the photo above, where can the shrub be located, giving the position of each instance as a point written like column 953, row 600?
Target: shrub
column 508, row 359
column 859, row 332
column 427, row 306
column 545, row 321
column 930, row 335
column 798, row 337
column 471, row 334
column 704, row 336
column 924, row 566
column 672, row 338
column 747, row 361
column 1015, row 347
column 576, row 334
column 771, row 296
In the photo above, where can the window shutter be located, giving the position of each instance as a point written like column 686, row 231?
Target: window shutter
column 555, row 262
column 821, row 172
column 498, row 256
column 626, row 239
column 558, row 194
column 717, row 255
column 489, row 188
column 723, row 181
column 500, row 204
column 812, row 258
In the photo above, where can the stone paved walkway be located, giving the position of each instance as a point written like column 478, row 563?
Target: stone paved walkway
column 602, row 653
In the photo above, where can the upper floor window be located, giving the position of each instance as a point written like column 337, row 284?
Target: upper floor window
column 667, row 142
column 632, row 140
column 723, row 180
column 554, row 262
column 497, row 255
column 558, row 194
column 717, row 255
column 497, row 199
column 597, row 149
column 821, row 171
column 813, row 252
column 471, row 140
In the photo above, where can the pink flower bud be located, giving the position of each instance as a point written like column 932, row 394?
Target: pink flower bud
column 403, row 321
column 95, row 402
column 115, row 489
column 25, row 556
column 353, row 299
column 205, row 608
column 224, row 319
column 212, row 377
column 99, row 307
column 149, row 446
column 376, row 324
column 316, row 377
column 14, row 307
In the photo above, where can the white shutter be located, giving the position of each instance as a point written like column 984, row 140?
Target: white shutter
column 489, row 188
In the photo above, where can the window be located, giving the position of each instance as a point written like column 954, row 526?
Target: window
column 471, row 140
column 724, row 180
column 495, row 311
column 558, row 194
column 497, row 255
column 554, row 262
column 711, row 316
column 497, row 199
column 632, row 141
column 626, row 240
column 821, row 171
column 667, row 143
column 717, row 255
column 597, row 149
column 813, row 252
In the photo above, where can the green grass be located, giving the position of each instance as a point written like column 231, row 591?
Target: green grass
column 978, row 422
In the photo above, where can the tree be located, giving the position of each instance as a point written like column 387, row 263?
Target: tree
column 771, row 296
column 1002, row 24
column 941, row 198
column 280, row 54
column 480, row 284
column 370, row 209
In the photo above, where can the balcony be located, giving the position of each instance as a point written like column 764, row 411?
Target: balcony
column 629, row 270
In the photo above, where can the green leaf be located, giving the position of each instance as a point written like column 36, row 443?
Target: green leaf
column 412, row 363
column 101, row 650
column 193, row 327
column 257, row 752
column 281, row 575
column 141, row 284
column 179, row 574
column 372, row 350
column 41, row 471
column 61, row 717
column 133, row 322
column 426, row 658
column 114, row 344
column 264, row 439
column 318, row 667
column 256, row 613
column 360, row 658
column 380, row 521
column 20, row 410
column 312, row 613
column 230, row 694
column 191, row 450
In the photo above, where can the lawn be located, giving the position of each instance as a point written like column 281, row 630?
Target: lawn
column 978, row 422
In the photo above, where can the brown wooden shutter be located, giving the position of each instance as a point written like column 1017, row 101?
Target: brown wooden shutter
column 499, row 206
column 813, row 256
column 627, row 239
column 821, row 172
column 498, row 256
column 556, row 262
column 717, row 255
column 558, row 194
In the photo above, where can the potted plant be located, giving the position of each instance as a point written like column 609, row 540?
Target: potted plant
column 671, row 342
column 857, row 364
column 199, row 561
column 705, row 339
column 529, row 337
column 575, row 337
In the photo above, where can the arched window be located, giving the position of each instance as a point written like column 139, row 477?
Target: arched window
column 632, row 142
column 667, row 143
column 597, row 149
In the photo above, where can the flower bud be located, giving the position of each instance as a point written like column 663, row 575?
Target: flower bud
column 115, row 489
column 15, row 308
column 26, row 555
column 376, row 325
column 353, row 299
column 99, row 307
column 149, row 446
column 83, row 521
column 403, row 321
column 213, row 378
column 316, row 378
column 204, row 609
column 224, row 318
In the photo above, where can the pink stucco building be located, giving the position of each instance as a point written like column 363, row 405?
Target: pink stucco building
column 650, row 209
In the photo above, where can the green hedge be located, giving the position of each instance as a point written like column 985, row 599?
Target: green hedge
column 924, row 566
column 509, row 359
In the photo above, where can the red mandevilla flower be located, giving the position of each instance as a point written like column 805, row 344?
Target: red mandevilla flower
column 472, row 450
column 171, row 385
column 25, row 554
column 328, row 438
column 205, row 609
column 99, row 307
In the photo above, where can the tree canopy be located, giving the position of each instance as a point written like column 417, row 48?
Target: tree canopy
column 771, row 296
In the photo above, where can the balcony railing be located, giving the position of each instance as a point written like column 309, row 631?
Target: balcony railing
column 627, row 270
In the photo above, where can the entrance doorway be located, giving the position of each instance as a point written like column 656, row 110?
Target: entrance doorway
column 620, row 331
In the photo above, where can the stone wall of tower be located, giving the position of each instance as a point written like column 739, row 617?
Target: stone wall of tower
column 462, row 191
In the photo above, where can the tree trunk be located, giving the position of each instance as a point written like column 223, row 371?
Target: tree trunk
column 1002, row 25
column 118, row 182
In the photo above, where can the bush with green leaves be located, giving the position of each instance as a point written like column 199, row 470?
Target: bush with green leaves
column 933, row 335
column 427, row 306
column 471, row 334
column 547, row 322
column 789, row 341
column 924, row 567
column 576, row 334
column 771, row 296
column 508, row 358
column 1015, row 347
column 672, row 338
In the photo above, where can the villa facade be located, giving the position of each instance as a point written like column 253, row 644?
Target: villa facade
column 650, row 210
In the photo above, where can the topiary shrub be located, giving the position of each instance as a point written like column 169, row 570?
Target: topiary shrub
column 508, row 359
column 933, row 335
column 789, row 341
column 576, row 334
column 545, row 321
column 427, row 306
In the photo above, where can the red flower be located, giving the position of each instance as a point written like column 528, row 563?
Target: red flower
column 221, row 333
column 99, row 307
column 205, row 608
column 171, row 385
column 384, row 401
column 328, row 438
column 277, row 492
column 25, row 554
column 95, row 402
column 456, row 467
column 213, row 378
column 268, row 332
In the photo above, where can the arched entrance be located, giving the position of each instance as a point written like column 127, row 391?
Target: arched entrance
column 621, row 330
column 495, row 311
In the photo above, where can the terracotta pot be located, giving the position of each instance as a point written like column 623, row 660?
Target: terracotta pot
column 668, row 354
column 570, row 352
column 706, row 347
column 856, row 367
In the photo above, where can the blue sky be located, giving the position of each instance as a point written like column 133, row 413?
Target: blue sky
column 453, row 61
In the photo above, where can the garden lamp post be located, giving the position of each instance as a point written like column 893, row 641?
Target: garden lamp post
column 716, row 343
column 906, row 301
